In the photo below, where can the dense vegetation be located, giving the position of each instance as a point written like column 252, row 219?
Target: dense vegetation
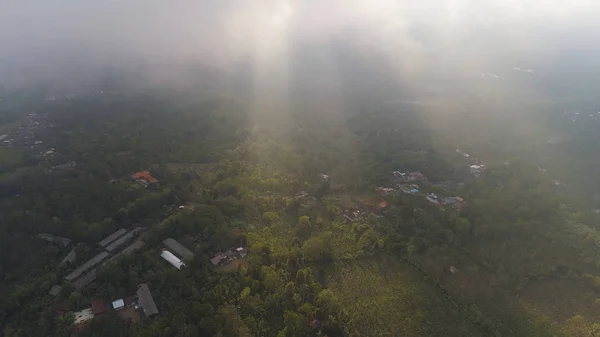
column 521, row 258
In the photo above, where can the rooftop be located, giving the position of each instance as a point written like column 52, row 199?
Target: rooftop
column 120, row 241
column 55, row 290
column 89, row 264
column 98, row 307
column 146, row 301
column 118, row 304
column 144, row 175
column 178, row 248
column 85, row 280
column 104, row 242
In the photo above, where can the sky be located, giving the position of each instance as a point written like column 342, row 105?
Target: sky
column 281, row 39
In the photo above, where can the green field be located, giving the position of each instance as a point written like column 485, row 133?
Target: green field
column 386, row 297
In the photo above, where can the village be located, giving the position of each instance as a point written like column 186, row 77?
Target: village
column 126, row 241
column 121, row 243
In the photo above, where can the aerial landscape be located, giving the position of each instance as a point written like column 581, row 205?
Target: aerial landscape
column 299, row 168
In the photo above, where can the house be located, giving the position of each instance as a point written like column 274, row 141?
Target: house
column 413, row 176
column 232, row 254
column 399, row 174
column 242, row 252
column 118, row 304
column 384, row 190
column 144, row 178
column 432, row 198
column 324, row 176
column 178, row 248
column 66, row 166
column 477, row 169
column 172, row 259
column 449, row 201
column 146, row 301
column 99, row 307
column 55, row 290
column 409, row 189
column 218, row 259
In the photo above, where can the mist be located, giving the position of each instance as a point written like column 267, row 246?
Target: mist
column 283, row 46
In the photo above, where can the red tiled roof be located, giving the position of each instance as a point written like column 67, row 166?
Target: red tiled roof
column 98, row 307
column 144, row 175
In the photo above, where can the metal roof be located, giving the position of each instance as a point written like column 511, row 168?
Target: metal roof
column 146, row 301
column 178, row 248
column 119, row 242
column 104, row 242
column 55, row 290
column 89, row 264
column 172, row 259
column 85, row 280
column 118, row 304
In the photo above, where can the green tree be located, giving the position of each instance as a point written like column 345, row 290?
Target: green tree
column 463, row 226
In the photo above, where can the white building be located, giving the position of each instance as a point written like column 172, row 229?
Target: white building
column 118, row 304
column 172, row 259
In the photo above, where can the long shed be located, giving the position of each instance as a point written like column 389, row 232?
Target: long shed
column 172, row 259
column 146, row 301
column 89, row 264
column 179, row 249
column 120, row 241
column 104, row 242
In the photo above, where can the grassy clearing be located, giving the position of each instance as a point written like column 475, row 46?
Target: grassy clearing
column 384, row 297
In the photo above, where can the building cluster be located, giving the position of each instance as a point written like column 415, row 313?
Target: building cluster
column 24, row 135
column 127, row 308
column 86, row 273
column 436, row 199
column 477, row 170
column 409, row 176
column 409, row 189
column 224, row 258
